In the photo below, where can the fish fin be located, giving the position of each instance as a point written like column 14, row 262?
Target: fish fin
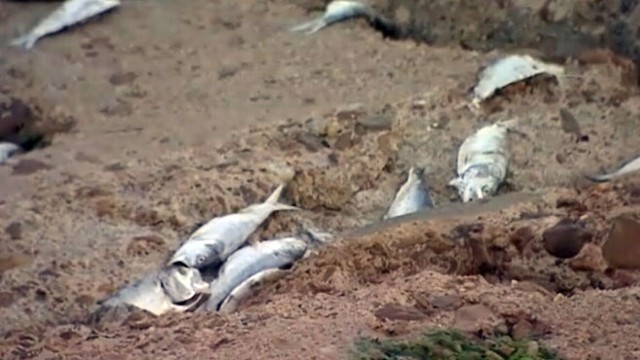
column 273, row 200
column 457, row 182
column 509, row 124
column 599, row 178
column 25, row 42
column 310, row 27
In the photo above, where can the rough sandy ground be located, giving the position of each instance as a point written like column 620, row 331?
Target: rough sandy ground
column 176, row 124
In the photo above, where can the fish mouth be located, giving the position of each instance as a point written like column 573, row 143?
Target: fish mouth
column 193, row 301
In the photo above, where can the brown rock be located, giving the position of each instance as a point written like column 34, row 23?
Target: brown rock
column 521, row 237
column 446, row 302
column 399, row 312
column 622, row 248
column 29, row 166
column 122, row 78
column 565, row 239
column 522, row 329
column 475, row 318
column 14, row 230
column 589, row 259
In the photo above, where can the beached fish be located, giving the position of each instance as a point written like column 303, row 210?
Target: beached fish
column 509, row 70
column 248, row 288
column 8, row 149
column 411, row 197
column 482, row 162
column 337, row 11
column 172, row 289
column 71, row 12
column 213, row 242
column 250, row 260
column 626, row 168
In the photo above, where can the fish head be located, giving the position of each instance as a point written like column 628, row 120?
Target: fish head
column 292, row 248
column 477, row 188
column 182, row 283
column 197, row 254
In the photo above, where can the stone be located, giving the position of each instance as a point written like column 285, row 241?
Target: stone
column 622, row 247
column 565, row 239
column 475, row 318
column 589, row 259
column 399, row 312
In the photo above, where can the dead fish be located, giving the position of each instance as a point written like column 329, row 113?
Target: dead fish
column 411, row 197
column 213, row 242
column 7, row 150
column 509, row 70
column 248, row 288
column 626, row 168
column 250, row 260
column 172, row 289
column 71, row 12
column 335, row 12
column 482, row 162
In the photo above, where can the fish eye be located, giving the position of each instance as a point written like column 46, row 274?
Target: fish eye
column 200, row 259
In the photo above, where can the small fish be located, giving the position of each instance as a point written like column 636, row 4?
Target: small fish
column 335, row 12
column 172, row 289
column 7, row 150
column 509, row 70
column 411, row 197
column 71, row 12
column 250, row 260
column 482, row 162
column 248, row 288
column 626, row 168
column 213, row 242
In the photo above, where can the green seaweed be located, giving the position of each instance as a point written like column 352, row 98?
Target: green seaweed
column 449, row 345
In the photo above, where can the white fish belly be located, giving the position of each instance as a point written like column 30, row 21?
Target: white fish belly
column 486, row 146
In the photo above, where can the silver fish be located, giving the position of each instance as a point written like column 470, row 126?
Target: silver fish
column 336, row 11
column 250, row 260
column 509, row 70
column 172, row 289
column 7, row 150
column 482, row 162
column 411, row 197
column 71, row 12
column 248, row 288
column 213, row 242
column 626, row 168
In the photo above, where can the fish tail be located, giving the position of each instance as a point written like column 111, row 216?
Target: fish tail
column 275, row 204
column 599, row 178
column 25, row 41
column 508, row 124
column 310, row 27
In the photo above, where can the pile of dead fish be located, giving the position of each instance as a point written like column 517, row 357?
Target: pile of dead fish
column 215, row 268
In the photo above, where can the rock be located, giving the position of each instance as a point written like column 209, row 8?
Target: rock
column 399, row 312
column 122, row 78
column 382, row 120
column 14, row 230
column 29, row 166
column 475, row 318
column 446, row 302
column 622, row 248
column 565, row 239
column 350, row 112
column 522, row 329
column 589, row 259
column 521, row 237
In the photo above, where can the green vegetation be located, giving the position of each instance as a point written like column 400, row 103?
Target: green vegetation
column 450, row 345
